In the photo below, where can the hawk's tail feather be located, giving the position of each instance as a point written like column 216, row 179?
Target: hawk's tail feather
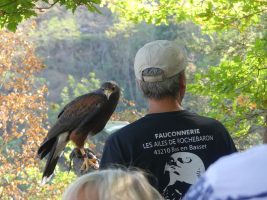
column 46, row 147
column 54, row 155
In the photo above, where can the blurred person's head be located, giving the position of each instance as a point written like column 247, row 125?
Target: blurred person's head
column 111, row 184
column 159, row 70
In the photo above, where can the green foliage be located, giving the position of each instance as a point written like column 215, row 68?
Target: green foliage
column 52, row 189
column 12, row 12
column 215, row 15
column 237, row 88
column 85, row 85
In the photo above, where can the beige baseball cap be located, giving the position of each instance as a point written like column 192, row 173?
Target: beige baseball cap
column 162, row 54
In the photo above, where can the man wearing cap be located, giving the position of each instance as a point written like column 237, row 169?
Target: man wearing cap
column 173, row 145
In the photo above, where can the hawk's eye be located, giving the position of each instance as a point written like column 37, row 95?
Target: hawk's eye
column 113, row 88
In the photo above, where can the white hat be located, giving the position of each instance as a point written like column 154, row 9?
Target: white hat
column 162, row 54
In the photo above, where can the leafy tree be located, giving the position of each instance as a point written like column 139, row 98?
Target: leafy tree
column 12, row 12
column 23, row 113
column 237, row 87
column 213, row 15
column 22, row 122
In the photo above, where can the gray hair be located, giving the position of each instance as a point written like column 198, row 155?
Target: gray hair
column 111, row 184
column 158, row 90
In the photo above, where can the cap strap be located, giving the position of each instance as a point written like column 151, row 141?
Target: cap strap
column 152, row 79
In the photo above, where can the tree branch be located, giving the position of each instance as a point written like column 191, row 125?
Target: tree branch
column 46, row 8
column 245, row 16
column 263, row 68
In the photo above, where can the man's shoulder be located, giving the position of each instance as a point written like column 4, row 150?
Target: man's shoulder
column 204, row 119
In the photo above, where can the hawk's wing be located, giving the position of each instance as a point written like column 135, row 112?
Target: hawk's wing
column 86, row 106
column 77, row 99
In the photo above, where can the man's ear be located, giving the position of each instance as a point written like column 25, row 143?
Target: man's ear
column 182, row 86
column 137, row 83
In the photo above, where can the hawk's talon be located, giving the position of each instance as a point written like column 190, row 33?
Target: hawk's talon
column 88, row 163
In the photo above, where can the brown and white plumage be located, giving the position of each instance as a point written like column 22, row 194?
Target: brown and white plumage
column 85, row 115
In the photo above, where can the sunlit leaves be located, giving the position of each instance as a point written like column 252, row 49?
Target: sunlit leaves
column 23, row 123
column 23, row 113
column 150, row 11
column 215, row 15
column 237, row 89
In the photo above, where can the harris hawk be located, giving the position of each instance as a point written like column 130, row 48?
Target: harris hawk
column 86, row 115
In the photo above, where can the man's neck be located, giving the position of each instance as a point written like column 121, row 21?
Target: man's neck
column 167, row 104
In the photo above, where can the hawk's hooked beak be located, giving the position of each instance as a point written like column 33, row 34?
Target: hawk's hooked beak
column 107, row 93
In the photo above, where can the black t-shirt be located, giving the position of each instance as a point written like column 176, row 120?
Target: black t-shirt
column 175, row 148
